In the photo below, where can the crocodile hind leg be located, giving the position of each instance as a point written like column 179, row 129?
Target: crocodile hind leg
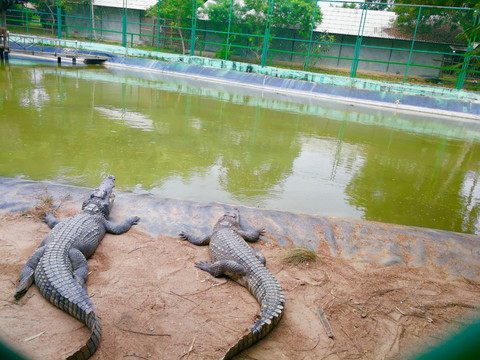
column 80, row 267
column 230, row 268
column 27, row 274
column 259, row 255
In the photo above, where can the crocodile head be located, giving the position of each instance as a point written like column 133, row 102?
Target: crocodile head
column 101, row 199
column 230, row 219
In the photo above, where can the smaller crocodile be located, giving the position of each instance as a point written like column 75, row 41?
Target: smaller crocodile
column 232, row 257
column 59, row 266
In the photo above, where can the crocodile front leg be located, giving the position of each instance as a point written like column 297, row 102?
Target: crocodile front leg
column 248, row 232
column 121, row 228
column 195, row 240
column 27, row 274
column 50, row 220
column 251, row 235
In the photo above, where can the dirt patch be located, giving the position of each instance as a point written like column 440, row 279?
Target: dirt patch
column 154, row 304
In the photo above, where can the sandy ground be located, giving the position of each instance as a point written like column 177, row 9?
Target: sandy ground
column 154, row 304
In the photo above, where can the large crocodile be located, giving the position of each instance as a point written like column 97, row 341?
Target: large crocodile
column 246, row 265
column 59, row 266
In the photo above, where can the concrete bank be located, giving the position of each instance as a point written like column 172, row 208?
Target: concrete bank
column 456, row 254
column 418, row 98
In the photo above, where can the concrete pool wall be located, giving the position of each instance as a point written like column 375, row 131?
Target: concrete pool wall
column 371, row 242
column 419, row 98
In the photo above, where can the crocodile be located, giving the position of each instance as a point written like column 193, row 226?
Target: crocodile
column 233, row 257
column 59, row 266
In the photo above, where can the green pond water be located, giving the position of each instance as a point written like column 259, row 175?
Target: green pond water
column 188, row 139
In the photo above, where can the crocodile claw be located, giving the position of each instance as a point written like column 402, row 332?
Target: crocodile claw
column 203, row 265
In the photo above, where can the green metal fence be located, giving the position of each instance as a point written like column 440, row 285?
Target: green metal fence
column 405, row 43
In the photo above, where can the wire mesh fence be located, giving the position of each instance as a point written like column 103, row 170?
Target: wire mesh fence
column 405, row 43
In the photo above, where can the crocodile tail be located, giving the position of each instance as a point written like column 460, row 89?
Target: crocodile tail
column 259, row 330
column 245, row 342
column 93, row 323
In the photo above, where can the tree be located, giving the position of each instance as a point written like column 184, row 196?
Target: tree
column 4, row 6
column 251, row 16
column 178, row 11
column 379, row 4
column 227, row 16
column 372, row 4
column 473, row 34
column 436, row 22
column 471, row 58
column 47, row 9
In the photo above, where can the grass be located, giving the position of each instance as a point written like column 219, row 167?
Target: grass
column 45, row 204
column 299, row 255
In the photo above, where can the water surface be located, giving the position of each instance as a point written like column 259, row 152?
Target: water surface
column 183, row 138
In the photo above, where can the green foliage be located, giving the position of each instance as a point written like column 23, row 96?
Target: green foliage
column 220, row 13
column 379, row 4
column 346, row 5
column 473, row 32
column 472, row 57
column 440, row 24
column 322, row 43
column 295, row 13
column 372, row 4
column 4, row 6
column 252, row 15
column 222, row 53
column 179, row 11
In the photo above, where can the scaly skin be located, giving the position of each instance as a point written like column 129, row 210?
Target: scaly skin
column 59, row 266
column 232, row 256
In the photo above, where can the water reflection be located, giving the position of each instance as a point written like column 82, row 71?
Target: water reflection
column 210, row 142
column 416, row 177
column 133, row 119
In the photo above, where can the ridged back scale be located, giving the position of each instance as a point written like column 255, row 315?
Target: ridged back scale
column 54, row 279
column 227, row 244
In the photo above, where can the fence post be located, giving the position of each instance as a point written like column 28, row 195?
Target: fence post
column 194, row 27
column 91, row 20
column 59, row 20
column 358, row 43
column 266, row 38
column 26, row 19
column 311, row 35
column 228, row 29
column 124, row 24
column 413, row 43
column 463, row 73
column 158, row 25
column 466, row 60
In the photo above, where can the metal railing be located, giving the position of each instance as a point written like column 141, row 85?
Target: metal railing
column 37, row 45
column 359, row 41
